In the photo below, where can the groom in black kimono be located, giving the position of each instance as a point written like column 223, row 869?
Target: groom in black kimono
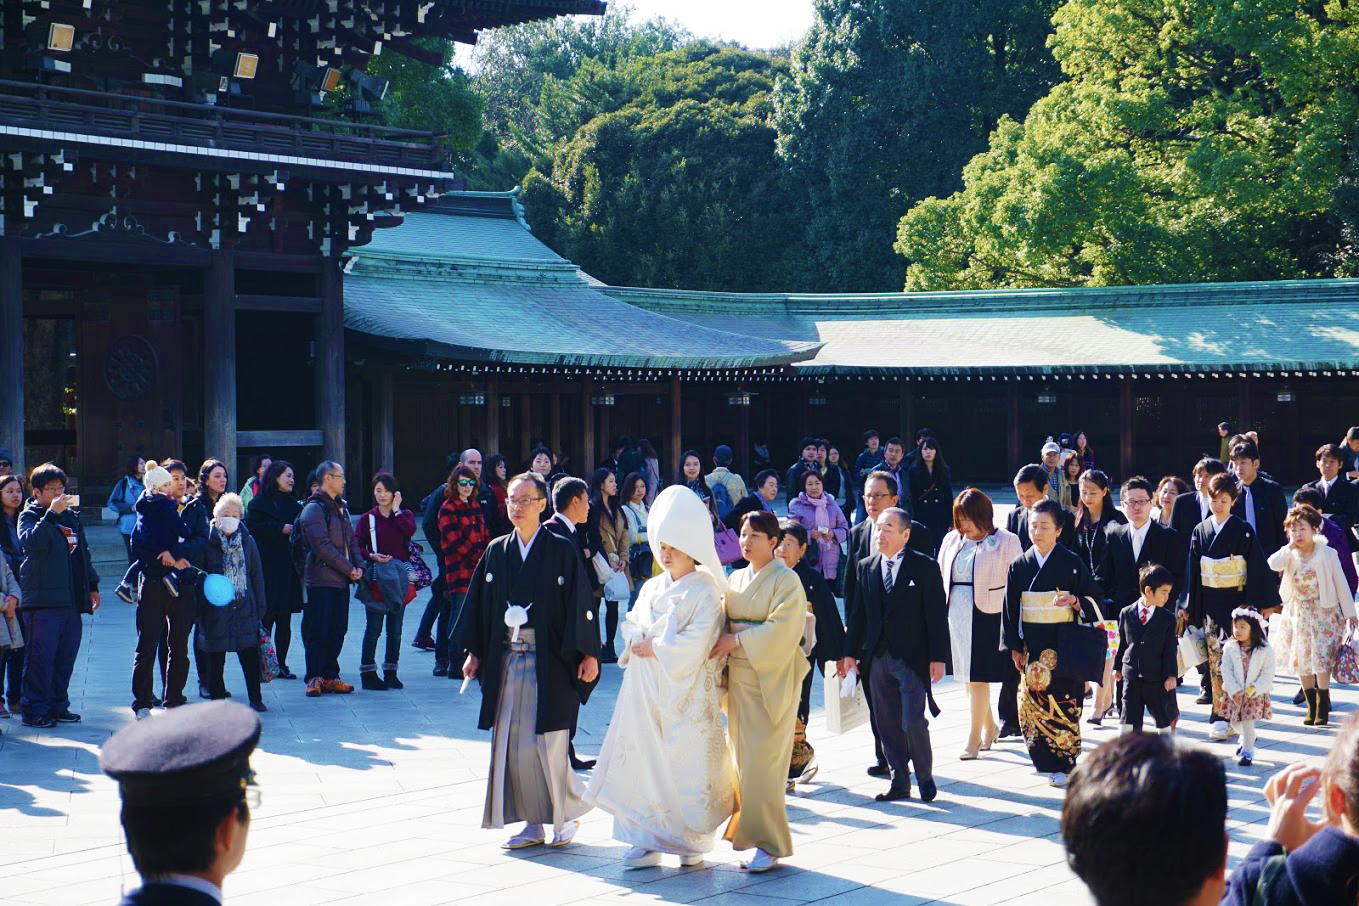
column 533, row 685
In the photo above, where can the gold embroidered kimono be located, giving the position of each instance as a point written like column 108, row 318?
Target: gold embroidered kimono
column 769, row 612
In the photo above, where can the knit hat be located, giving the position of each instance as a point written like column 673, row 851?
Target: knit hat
column 156, row 477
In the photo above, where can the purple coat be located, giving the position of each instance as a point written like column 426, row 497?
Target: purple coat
column 804, row 512
column 1335, row 537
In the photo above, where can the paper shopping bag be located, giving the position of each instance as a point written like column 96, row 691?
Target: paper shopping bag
column 843, row 714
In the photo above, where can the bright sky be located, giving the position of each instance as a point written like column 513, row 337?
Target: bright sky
column 758, row 24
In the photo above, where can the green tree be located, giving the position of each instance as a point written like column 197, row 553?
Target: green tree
column 429, row 97
column 679, row 186
column 885, row 102
column 1194, row 140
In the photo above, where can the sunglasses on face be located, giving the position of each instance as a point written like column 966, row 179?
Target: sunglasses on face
column 466, row 483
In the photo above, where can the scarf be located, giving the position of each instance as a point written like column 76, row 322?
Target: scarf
column 233, row 561
column 829, row 559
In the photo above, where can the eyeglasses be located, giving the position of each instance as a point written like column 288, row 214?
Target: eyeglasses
column 524, row 501
column 877, row 496
column 466, row 483
column 1138, row 501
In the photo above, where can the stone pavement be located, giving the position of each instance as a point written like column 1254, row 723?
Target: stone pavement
column 379, row 795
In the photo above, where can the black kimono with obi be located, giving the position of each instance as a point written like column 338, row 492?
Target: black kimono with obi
column 1049, row 706
column 553, row 582
column 1247, row 581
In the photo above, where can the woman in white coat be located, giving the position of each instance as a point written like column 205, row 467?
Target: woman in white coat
column 975, row 560
column 665, row 771
column 1317, row 605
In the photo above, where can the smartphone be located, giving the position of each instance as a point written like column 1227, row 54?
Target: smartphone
column 73, row 500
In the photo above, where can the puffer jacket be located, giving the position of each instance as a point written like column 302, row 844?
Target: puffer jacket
column 51, row 575
column 236, row 626
column 333, row 552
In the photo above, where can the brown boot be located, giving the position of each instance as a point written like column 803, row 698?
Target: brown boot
column 1313, row 700
column 1323, row 707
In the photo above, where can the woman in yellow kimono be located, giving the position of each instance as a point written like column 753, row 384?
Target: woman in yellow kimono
column 766, row 618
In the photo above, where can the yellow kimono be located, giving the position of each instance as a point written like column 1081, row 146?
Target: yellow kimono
column 768, row 611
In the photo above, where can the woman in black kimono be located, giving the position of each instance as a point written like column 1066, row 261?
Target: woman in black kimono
column 532, row 643
column 931, row 489
column 1227, row 570
column 1095, row 512
column 1047, row 585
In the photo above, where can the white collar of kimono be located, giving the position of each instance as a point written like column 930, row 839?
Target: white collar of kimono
column 1042, row 557
column 523, row 547
column 682, row 521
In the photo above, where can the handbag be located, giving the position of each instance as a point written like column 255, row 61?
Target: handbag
column 1192, row 649
column 421, row 577
column 639, row 562
column 1111, row 628
column 847, row 713
column 269, row 669
column 1082, row 649
column 616, row 589
column 603, row 571
column 728, row 545
column 1346, row 661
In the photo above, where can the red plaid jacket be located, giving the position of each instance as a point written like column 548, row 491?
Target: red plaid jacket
column 463, row 530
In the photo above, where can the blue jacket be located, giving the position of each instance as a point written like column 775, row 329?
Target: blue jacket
column 51, row 575
column 1322, row 872
column 123, row 501
column 159, row 526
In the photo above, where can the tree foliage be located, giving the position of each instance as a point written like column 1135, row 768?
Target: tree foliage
column 430, row 98
column 885, row 102
column 1194, row 140
column 675, row 182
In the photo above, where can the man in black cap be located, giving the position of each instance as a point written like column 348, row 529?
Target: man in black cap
column 183, row 778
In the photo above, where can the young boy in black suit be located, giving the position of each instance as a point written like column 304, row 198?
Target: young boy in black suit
column 1146, row 652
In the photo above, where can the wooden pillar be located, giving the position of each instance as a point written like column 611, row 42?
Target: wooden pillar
column 330, row 363
column 905, row 413
column 526, row 426
column 1243, row 389
column 1012, row 424
column 742, row 459
column 219, row 369
column 605, row 435
column 554, row 418
column 1125, row 427
column 676, row 424
column 492, row 416
column 12, row 350
column 587, row 413
column 384, row 422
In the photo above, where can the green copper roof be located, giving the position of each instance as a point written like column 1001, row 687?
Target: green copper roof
column 1303, row 324
column 465, row 280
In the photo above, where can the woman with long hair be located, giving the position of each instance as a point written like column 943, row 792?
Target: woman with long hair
column 974, row 559
column 691, row 477
column 632, row 492
column 1070, row 494
column 931, row 489
column 11, row 659
column 1093, row 515
column 1084, row 451
column 463, row 536
column 610, row 526
column 212, row 483
column 270, row 516
column 495, row 475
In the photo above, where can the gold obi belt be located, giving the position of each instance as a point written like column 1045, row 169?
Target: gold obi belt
column 1228, row 572
column 1037, row 607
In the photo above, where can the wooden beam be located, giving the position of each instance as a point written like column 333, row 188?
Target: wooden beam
column 330, row 363
column 1125, row 427
column 301, row 437
column 554, row 416
column 492, row 415
column 1013, row 415
column 12, row 349
column 588, row 431
column 384, row 424
column 906, row 412
column 1243, row 389
column 676, row 424
column 219, row 359
column 156, row 253
column 308, row 304
column 526, row 427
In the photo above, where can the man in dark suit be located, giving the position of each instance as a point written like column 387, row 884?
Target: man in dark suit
column 1261, row 504
column 183, row 780
column 1141, row 542
column 1340, row 499
column 1145, row 661
column 1191, row 509
column 880, row 494
column 1031, row 486
column 571, row 499
column 900, row 625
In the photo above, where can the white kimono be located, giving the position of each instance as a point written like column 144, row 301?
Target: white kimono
column 665, row 771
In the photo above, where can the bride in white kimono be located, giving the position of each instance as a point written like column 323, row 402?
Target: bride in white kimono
column 665, row 771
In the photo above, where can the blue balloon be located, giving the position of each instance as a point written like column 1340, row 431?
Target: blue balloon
column 218, row 590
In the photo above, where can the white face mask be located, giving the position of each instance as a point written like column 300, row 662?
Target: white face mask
column 228, row 524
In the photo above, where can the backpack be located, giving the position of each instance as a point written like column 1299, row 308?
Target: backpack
column 298, row 548
column 721, row 499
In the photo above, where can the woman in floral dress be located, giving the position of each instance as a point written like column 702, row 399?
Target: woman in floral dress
column 1317, row 606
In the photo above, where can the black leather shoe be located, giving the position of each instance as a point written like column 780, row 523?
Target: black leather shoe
column 895, row 793
column 1299, row 698
column 1204, row 699
column 285, row 673
column 581, row 764
column 441, row 670
column 879, row 770
column 1008, row 730
column 927, row 790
